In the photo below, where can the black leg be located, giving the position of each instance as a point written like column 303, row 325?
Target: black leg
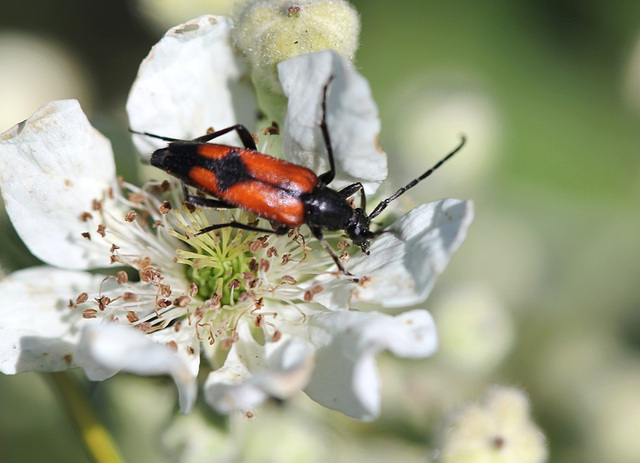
column 352, row 189
column 204, row 202
column 243, row 133
column 319, row 236
column 327, row 177
column 233, row 224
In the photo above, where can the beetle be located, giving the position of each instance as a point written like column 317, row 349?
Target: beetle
column 287, row 194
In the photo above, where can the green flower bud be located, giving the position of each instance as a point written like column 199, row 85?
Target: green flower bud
column 271, row 31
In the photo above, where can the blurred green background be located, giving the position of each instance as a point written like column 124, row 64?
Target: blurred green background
column 544, row 294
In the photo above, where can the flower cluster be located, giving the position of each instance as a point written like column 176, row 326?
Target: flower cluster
column 266, row 315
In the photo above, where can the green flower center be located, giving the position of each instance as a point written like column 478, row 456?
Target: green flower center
column 220, row 263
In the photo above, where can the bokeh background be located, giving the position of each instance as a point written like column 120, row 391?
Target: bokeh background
column 545, row 293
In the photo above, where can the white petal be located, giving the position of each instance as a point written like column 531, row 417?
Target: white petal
column 253, row 373
column 190, row 81
column 51, row 168
column 405, row 262
column 108, row 348
column 38, row 331
column 352, row 119
column 345, row 377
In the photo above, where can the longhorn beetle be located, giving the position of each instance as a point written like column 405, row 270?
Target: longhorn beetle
column 285, row 193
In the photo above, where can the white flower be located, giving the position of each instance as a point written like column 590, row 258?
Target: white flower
column 499, row 429
column 268, row 313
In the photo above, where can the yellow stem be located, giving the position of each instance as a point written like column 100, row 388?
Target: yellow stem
column 95, row 437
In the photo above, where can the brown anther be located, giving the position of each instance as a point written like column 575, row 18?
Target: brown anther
column 308, row 294
column 113, row 259
column 193, row 289
column 89, row 313
column 343, row 244
column 190, row 207
column 101, row 230
column 163, row 303
column 259, row 320
column 259, row 303
column 253, row 265
column 264, row 265
column 293, row 11
column 136, row 198
column 165, row 290
column 249, row 415
column 165, row 207
column 145, row 327
column 199, row 313
column 82, row 298
column 71, row 304
column 498, row 442
column 157, row 223
column 345, row 257
column 272, row 251
column 286, row 258
column 165, row 185
column 254, row 246
column 234, row 284
column 273, row 129
column 86, row 216
column 177, row 325
column 113, row 248
column 250, row 279
column 214, row 301
column 264, row 240
column 182, row 301
column 364, row 281
column 122, row 277
column 96, row 205
column 130, row 297
column 131, row 216
column 103, row 302
column 190, row 350
column 289, row 280
column 276, row 336
column 132, row 317
column 86, row 235
column 173, row 346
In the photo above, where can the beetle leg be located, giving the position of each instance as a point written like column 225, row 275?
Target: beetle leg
column 352, row 189
column 243, row 226
column 320, row 237
column 243, row 133
column 327, row 177
column 204, row 202
column 208, row 202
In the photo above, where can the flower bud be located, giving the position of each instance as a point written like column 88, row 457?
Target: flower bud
column 271, row 31
column 499, row 429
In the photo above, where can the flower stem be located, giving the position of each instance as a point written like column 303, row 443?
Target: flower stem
column 96, row 439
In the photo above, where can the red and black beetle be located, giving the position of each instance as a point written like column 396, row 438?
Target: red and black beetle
column 285, row 193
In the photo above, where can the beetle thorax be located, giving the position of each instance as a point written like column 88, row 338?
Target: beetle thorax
column 325, row 209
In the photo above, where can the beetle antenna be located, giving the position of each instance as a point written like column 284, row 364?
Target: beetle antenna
column 153, row 135
column 383, row 204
